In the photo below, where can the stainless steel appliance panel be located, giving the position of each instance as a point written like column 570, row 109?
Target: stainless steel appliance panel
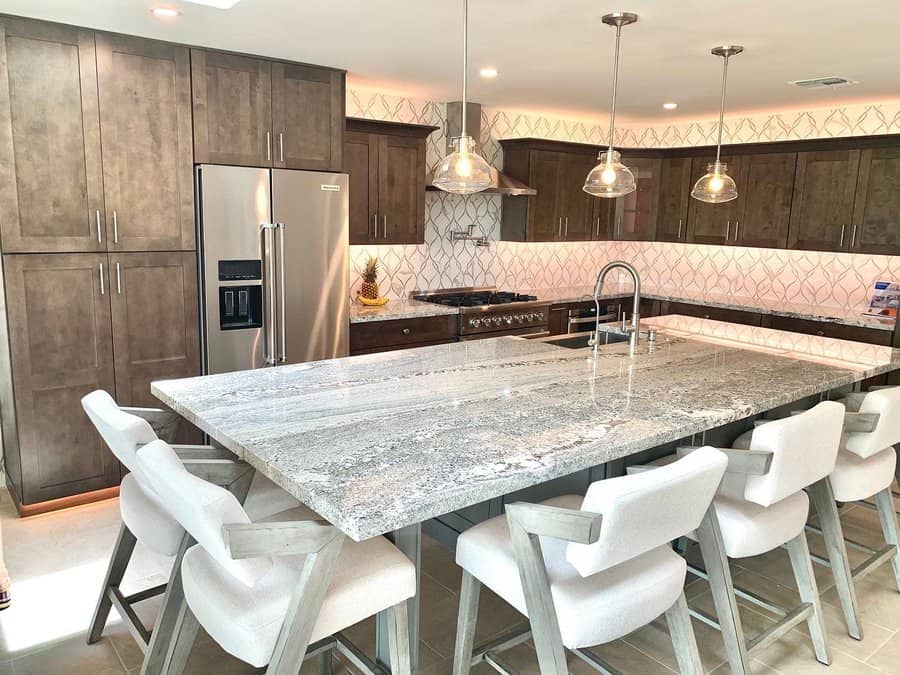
column 311, row 212
column 234, row 202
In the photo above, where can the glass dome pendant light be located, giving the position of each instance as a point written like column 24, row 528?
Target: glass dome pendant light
column 463, row 171
column 716, row 186
column 611, row 178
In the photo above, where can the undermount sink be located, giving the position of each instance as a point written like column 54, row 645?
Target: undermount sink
column 581, row 340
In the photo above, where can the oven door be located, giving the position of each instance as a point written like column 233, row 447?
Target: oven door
column 530, row 333
column 585, row 318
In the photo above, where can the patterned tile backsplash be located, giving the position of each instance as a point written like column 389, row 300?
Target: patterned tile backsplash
column 838, row 280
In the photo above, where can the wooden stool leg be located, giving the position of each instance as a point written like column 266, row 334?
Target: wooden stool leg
column 185, row 635
column 398, row 637
column 798, row 549
column 164, row 630
column 830, row 522
column 118, row 563
column 683, row 640
column 884, row 500
column 465, row 624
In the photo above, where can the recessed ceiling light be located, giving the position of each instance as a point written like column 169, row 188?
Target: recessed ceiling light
column 218, row 4
column 165, row 12
column 488, row 72
column 670, row 105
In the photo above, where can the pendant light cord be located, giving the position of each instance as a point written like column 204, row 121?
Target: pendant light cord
column 464, row 131
column 722, row 109
column 612, row 117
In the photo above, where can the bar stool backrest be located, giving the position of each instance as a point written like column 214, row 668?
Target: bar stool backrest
column 647, row 510
column 122, row 432
column 885, row 403
column 804, row 450
column 203, row 509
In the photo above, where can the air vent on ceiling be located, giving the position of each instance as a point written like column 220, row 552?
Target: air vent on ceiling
column 818, row 82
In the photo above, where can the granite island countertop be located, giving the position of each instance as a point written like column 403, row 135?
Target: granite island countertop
column 378, row 442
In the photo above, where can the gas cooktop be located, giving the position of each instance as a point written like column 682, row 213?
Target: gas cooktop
column 473, row 297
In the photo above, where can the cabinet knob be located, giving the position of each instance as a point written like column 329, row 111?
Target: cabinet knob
column 405, row 331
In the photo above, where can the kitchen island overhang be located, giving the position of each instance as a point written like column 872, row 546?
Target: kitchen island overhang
column 380, row 442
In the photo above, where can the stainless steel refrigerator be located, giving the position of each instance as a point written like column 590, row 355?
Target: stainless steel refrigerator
column 273, row 252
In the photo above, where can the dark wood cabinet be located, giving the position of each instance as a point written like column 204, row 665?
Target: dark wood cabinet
column 382, row 336
column 145, row 116
column 710, row 312
column 822, row 206
column 674, row 196
column 831, row 330
column 543, row 220
column 49, row 127
column 60, row 348
column 876, row 211
column 154, row 320
column 386, row 165
column 635, row 213
column 764, row 201
column 307, row 117
column 576, row 207
column 232, row 102
column 714, row 223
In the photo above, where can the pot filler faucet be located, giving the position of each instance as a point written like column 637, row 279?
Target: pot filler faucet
column 634, row 329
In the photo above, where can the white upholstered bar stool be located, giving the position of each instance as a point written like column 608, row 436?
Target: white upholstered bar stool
column 275, row 591
column 587, row 571
column 144, row 517
column 760, row 507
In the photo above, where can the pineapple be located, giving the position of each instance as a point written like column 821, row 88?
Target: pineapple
column 369, row 288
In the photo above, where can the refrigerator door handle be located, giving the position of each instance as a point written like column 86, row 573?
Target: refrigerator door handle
column 269, row 291
column 281, row 317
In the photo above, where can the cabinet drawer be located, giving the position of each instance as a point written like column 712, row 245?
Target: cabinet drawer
column 833, row 330
column 374, row 335
column 715, row 313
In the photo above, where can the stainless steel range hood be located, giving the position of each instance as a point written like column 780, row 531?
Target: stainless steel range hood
column 501, row 184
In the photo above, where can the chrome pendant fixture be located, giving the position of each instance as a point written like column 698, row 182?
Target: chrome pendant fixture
column 716, row 186
column 463, row 171
column 611, row 178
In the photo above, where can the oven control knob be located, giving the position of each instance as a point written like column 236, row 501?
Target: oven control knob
column 508, row 318
column 497, row 320
column 519, row 318
column 474, row 323
column 530, row 316
column 540, row 316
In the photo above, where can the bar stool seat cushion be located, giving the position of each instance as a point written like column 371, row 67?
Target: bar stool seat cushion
column 145, row 515
column 855, row 478
column 245, row 620
column 591, row 610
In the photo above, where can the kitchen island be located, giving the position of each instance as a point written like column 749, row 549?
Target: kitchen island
column 381, row 443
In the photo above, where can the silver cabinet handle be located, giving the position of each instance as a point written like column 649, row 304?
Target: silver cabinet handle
column 268, row 146
column 99, row 232
column 737, row 229
column 678, row 236
column 853, row 236
column 598, row 227
column 115, row 227
column 102, row 288
column 727, row 230
column 567, row 227
column 843, row 230
column 118, row 279
column 281, row 145
column 375, row 225
column 384, row 229
column 559, row 235
column 281, row 305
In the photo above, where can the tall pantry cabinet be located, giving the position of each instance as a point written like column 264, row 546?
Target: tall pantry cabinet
column 97, row 234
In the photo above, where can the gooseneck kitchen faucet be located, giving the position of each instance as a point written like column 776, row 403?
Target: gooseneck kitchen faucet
column 634, row 329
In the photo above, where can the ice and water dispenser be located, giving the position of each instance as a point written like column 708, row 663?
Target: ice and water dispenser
column 240, row 305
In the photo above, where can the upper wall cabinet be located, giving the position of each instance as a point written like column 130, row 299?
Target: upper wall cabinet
column 49, row 130
column 256, row 112
column 386, row 165
column 876, row 211
column 822, row 208
column 145, row 124
column 714, row 223
column 764, row 199
column 95, row 142
column 636, row 212
column 674, row 196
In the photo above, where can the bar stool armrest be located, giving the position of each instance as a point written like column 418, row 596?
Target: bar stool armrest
column 222, row 472
column 853, row 400
column 188, row 452
column 747, row 462
column 855, row 421
column 164, row 423
column 302, row 537
column 580, row 527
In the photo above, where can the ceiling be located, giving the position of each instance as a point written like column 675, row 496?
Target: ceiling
column 554, row 56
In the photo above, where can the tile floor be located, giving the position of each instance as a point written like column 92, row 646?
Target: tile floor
column 57, row 562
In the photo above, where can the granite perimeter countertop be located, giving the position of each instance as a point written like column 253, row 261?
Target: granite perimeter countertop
column 397, row 309
column 378, row 442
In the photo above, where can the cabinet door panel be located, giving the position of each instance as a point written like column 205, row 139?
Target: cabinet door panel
column 636, row 212
column 576, row 206
column 674, row 195
column 232, row 100
column 544, row 174
column 145, row 121
column 61, row 349
column 401, row 190
column 876, row 217
column 307, row 117
column 361, row 164
column 768, row 188
column 51, row 183
column 714, row 223
column 154, row 319
column 822, row 206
